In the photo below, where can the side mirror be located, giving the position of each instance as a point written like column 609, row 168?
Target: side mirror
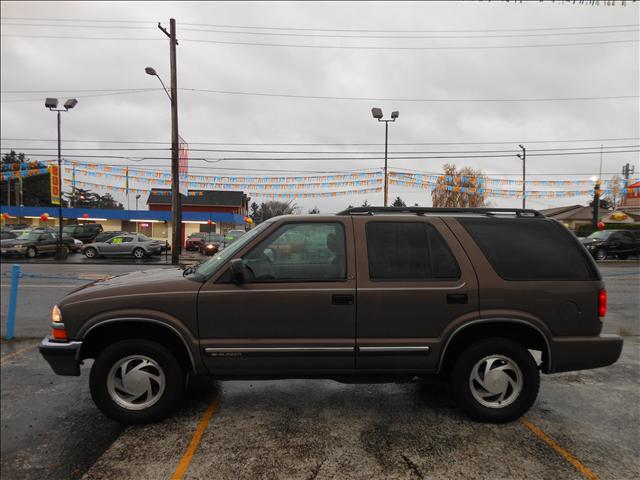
column 237, row 270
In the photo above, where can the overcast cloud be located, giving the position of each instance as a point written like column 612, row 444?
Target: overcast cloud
column 64, row 67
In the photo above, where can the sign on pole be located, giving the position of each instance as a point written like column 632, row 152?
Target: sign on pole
column 54, row 177
column 183, row 166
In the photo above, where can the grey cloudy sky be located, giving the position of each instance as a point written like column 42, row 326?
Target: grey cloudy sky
column 66, row 67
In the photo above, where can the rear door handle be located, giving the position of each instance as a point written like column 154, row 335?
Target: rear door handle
column 457, row 298
column 342, row 299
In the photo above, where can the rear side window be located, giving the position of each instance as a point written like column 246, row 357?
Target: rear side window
column 529, row 249
column 408, row 251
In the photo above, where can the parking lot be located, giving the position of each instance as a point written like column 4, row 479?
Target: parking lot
column 584, row 424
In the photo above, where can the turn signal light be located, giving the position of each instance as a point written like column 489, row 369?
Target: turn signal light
column 59, row 334
column 602, row 303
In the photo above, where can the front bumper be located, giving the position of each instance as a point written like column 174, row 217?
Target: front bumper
column 582, row 353
column 63, row 357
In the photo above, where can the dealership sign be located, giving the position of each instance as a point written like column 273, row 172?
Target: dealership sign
column 54, row 177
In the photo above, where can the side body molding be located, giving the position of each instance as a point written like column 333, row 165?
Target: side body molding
column 83, row 334
column 471, row 323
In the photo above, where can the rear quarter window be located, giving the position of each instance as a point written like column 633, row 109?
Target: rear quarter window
column 530, row 249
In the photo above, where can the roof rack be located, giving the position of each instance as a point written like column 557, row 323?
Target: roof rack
column 518, row 212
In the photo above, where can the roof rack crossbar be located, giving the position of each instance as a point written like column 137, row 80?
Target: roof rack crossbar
column 519, row 212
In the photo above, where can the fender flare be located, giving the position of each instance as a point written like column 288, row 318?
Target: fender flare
column 544, row 335
column 147, row 320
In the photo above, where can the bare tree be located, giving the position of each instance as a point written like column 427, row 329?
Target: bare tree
column 615, row 196
column 448, row 192
column 398, row 202
column 275, row 208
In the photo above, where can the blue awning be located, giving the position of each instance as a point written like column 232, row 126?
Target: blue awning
column 109, row 214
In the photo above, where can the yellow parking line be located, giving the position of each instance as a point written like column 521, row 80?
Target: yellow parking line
column 9, row 356
column 185, row 461
column 568, row 456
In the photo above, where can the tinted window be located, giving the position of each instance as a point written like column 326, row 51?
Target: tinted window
column 408, row 251
column 529, row 249
column 299, row 252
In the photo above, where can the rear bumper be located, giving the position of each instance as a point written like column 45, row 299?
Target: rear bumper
column 63, row 357
column 582, row 353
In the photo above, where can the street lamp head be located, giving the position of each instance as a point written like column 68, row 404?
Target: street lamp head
column 69, row 104
column 51, row 103
column 521, row 147
column 395, row 114
column 594, row 178
column 377, row 113
column 150, row 71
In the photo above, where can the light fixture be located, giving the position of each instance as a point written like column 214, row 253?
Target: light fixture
column 150, row 71
column 146, row 221
column 69, row 104
column 93, row 219
column 51, row 103
column 594, row 179
column 376, row 112
column 395, row 114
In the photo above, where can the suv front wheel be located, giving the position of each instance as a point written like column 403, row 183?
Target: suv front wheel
column 136, row 381
column 495, row 380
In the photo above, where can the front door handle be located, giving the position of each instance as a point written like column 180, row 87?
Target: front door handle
column 457, row 298
column 342, row 299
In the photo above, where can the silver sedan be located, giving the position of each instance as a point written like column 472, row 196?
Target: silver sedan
column 135, row 244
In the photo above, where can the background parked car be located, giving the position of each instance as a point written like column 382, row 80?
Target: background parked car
column 612, row 243
column 85, row 232
column 135, row 244
column 32, row 243
column 232, row 235
column 7, row 235
column 104, row 236
column 212, row 244
column 194, row 241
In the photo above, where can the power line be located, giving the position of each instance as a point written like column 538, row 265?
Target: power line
column 422, row 100
column 332, row 144
column 607, row 149
column 407, row 31
column 325, row 35
column 579, row 27
column 406, row 48
column 325, row 97
column 331, row 47
column 297, row 159
column 129, row 92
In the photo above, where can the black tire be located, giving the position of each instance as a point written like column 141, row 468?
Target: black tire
column 471, row 356
column 600, row 255
column 173, row 373
column 90, row 252
column 139, row 253
column 31, row 252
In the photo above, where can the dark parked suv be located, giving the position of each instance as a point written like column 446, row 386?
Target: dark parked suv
column 369, row 294
column 612, row 243
column 86, row 233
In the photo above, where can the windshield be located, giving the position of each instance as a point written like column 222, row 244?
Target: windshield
column 207, row 268
column 214, row 237
column 143, row 238
column 602, row 235
column 68, row 229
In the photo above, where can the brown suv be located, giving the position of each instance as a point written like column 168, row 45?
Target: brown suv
column 386, row 294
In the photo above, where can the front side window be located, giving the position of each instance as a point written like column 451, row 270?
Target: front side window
column 408, row 251
column 299, row 252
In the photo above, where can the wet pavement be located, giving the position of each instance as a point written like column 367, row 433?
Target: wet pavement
column 317, row 429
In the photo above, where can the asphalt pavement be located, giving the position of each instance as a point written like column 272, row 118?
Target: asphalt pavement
column 584, row 425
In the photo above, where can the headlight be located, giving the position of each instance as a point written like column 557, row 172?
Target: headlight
column 209, row 246
column 56, row 315
column 18, row 246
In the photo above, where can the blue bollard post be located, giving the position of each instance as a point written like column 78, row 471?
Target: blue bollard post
column 13, row 300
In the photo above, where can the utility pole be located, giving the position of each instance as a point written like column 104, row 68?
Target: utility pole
column 176, row 234
column 523, row 157
column 386, row 175
column 596, row 204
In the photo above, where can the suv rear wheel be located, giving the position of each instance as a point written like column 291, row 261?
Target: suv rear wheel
column 136, row 381
column 495, row 380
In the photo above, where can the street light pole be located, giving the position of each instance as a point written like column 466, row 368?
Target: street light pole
column 52, row 105
column 523, row 157
column 377, row 113
column 176, row 201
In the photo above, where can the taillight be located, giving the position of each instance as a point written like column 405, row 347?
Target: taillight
column 602, row 303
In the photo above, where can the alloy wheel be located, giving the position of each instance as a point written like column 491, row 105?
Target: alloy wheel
column 495, row 381
column 136, row 382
